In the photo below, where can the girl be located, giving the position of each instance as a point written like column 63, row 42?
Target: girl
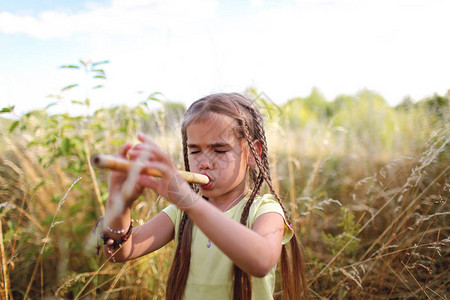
column 228, row 239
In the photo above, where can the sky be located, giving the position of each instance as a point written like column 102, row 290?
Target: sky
column 188, row 49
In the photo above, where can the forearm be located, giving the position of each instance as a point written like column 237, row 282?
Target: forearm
column 114, row 223
column 245, row 247
column 144, row 239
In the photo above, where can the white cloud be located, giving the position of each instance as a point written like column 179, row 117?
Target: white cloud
column 185, row 49
column 257, row 3
column 121, row 17
column 396, row 48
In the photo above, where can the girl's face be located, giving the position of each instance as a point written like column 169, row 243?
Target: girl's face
column 214, row 150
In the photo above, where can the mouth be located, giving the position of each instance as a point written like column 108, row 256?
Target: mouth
column 208, row 185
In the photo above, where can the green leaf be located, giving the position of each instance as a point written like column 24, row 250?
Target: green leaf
column 47, row 220
column 77, row 102
column 54, row 96
column 100, row 63
column 13, row 126
column 152, row 97
column 10, row 224
column 55, row 199
column 99, row 71
column 32, row 143
column 76, row 208
column 43, row 182
column 69, row 87
column 69, row 67
column 82, row 229
column 48, row 251
column 7, row 109
column 97, row 86
column 66, row 146
column 50, row 105
column 117, row 141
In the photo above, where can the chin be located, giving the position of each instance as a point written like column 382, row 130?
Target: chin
column 209, row 193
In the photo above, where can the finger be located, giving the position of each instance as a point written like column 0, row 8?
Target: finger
column 142, row 147
column 141, row 152
column 145, row 139
column 161, row 155
column 151, row 151
column 167, row 170
column 149, row 182
column 124, row 149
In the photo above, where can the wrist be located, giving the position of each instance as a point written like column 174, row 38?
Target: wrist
column 116, row 221
column 117, row 200
column 116, row 205
column 190, row 202
column 183, row 196
column 114, row 230
column 110, row 240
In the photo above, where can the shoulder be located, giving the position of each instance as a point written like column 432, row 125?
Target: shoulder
column 268, row 203
column 174, row 213
column 265, row 203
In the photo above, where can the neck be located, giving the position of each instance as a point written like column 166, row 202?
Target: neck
column 231, row 200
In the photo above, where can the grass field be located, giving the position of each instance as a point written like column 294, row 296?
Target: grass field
column 366, row 183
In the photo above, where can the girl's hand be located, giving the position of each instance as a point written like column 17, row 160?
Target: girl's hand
column 170, row 186
column 118, row 179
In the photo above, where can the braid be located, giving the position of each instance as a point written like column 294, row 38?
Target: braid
column 242, row 288
column 290, row 283
column 185, row 153
column 186, row 159
column 263, row 163
column 182, row 227
column 179, row 269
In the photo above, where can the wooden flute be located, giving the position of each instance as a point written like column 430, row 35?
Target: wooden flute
column 104, row 161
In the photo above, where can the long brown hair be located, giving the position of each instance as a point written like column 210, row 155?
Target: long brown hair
column 250, row 126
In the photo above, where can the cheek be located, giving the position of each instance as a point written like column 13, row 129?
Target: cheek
column 229, row 160
column 193, row 163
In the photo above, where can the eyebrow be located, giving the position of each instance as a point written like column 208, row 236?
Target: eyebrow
column 213, row 145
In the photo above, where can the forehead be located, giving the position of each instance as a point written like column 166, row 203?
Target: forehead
column 217, row 129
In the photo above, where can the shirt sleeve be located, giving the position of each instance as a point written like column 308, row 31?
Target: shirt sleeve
column 171, row 211
column 268, row 203
column 175, row 215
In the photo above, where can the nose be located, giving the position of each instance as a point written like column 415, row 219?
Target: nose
column 204, row 162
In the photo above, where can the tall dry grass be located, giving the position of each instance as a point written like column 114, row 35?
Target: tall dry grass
column 367, row 186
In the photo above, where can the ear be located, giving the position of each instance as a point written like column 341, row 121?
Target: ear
column 251, row 161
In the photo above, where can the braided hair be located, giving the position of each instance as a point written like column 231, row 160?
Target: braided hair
column 250, row 126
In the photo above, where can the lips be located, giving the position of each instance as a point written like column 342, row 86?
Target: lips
column 208, row 185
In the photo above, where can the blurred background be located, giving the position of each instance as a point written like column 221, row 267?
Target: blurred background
column 356, row 104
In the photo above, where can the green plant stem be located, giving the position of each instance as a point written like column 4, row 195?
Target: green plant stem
column 4, row 265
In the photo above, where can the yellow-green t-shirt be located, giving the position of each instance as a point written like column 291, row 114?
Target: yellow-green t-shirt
column 210, row 273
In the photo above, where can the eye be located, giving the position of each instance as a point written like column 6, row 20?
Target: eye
column 194, row 152
column 220, row 151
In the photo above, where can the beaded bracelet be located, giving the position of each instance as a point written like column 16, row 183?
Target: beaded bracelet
column 116, row 243
column 117, row 231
